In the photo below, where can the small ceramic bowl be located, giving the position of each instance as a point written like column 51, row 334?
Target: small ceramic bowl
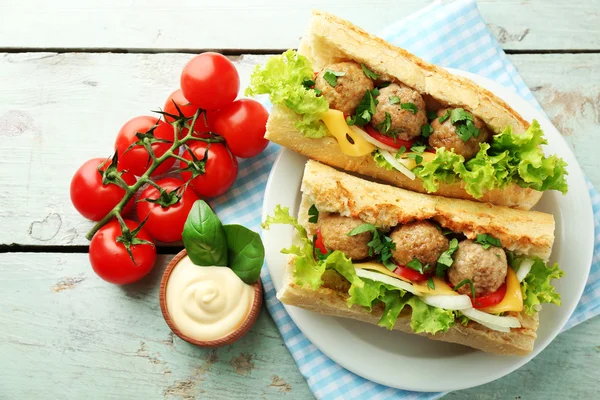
column 224, row 341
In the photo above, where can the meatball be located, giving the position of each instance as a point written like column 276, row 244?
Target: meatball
column 350, row 88
column 444, row 135
column 485, row 268
column 404, row 123
column 335, row 229
column 420, row 239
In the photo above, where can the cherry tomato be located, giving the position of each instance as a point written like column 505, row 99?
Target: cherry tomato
column 165, row 223
column 410, row 274
column 220, row 171
column 490, row 299
column 203, row 122
column 243, row 125
column 137, row 160
column 388, row 140
column 91, row 198
column 210, row 81
column 110, row 259
column 319, row 243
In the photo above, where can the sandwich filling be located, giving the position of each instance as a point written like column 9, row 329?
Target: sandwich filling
column 374, row 115
column 441, row 276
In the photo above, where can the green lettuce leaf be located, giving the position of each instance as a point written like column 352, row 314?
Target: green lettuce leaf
column 439, row 170
column 307, row 271
column 394, row 304
column 510, row 158
column 536, row 286
column 282, row 79
column 535, row 170
column 428, row 319
column 381, row 161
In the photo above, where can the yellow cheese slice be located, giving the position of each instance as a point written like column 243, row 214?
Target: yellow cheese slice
column 336, row 124
column 513, row 299
column 411, row 163
column 441, row 287
column 378, row 267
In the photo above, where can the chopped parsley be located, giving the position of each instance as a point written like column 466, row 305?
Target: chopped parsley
column 400, row 151
column 410, row 107
column 416, row 265
column 463, row 121
column 394, row 100
column 418, row 148
column 466, row 282
column 445, row 259
column 313, row 214
column 431, row 115
column 385, row 126
column 384, row 85
column 331, row 77
column 368, row 73
column 426, row 130
column 417, row 157
column 381, row 245
column 364, row 111
column 486, row 241
column 308, row 83
column 431, row 283
column 375, row 92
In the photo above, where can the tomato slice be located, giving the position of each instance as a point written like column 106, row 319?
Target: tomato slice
column 397, row 143
column 319, row 243
column 490, row 299
column 410, row 274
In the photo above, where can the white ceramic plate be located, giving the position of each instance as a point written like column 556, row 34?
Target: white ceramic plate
column 407, row 361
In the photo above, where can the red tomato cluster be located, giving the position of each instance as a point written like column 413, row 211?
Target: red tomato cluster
column 121, row 251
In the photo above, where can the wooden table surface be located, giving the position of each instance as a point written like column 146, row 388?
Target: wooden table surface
column 71, row 72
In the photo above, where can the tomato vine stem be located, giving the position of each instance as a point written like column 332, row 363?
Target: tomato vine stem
column 130, row 190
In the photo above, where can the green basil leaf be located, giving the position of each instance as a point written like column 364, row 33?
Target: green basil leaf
column 203, row 236
column 394, row 100
column 246, row 252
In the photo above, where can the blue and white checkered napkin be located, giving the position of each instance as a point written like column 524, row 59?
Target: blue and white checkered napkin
column 452, row 35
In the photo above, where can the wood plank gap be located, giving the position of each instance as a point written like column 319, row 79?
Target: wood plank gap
column 227, row 52
column 18, row 248
column 233, row 52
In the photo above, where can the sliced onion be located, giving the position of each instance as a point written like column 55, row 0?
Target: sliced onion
column 397, row 165
column 375, row 276
column 524, row 269
column 448, row 302
column 494, row 322
column 371, row 139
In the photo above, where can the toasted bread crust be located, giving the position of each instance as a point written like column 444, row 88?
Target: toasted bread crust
column 331, row 39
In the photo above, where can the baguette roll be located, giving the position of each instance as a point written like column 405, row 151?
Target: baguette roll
column 329, row 40
column 526, row 233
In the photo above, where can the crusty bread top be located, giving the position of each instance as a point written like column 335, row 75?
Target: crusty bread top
column 330, row 39
column 528, row 233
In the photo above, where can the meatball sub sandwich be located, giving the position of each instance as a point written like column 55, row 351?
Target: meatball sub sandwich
column 353, row 101
column 452, row 270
